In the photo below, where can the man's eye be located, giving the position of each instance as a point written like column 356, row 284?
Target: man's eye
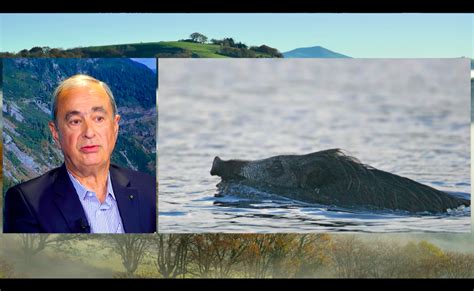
column 99, row 118
column 75, row 122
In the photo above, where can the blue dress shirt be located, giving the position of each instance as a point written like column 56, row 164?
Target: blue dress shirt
column 102, row 218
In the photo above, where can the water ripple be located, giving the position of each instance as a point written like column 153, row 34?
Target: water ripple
column 251, row 110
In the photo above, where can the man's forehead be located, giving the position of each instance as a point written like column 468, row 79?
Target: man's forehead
column 92, row 109
column 94, row 95
column 70, row 113
column 89, row 89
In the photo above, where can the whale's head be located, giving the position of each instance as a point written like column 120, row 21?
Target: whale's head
column 216, row 166
column 227, row 170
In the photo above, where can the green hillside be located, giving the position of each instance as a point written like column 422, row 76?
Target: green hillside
column 201, row 50
column 154, row 49
column 162, row 49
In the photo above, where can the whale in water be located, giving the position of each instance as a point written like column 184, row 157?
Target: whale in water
column 331, row 177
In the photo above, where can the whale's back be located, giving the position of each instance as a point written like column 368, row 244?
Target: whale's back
column 332, row 177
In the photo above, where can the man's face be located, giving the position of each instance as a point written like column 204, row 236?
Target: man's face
column 86, row 128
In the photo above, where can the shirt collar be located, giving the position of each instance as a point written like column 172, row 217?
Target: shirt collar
column 82, row 190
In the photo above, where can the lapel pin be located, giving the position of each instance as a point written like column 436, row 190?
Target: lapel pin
column 131, row 197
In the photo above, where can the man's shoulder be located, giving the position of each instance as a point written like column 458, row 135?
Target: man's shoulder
column 37, row 185
column 132, row 175
column 125, row 178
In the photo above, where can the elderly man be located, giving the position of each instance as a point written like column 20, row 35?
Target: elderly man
column 87, row 193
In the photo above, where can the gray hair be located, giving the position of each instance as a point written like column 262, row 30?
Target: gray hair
column 79, row 80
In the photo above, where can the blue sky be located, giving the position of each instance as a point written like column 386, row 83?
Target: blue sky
column 406, row 35
column 149, row 62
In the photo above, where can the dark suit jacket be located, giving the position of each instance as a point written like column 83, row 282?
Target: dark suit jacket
column 50, row 204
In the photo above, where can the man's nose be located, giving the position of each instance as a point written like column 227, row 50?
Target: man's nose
column 89, row 131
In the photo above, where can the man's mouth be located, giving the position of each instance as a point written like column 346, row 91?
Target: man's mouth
column 90, row 149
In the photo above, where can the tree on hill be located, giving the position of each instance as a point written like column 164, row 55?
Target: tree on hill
column 198, row 37
column 228, row 41
column 23, row 53
column 267, row 50
column 240, row 45
column 216, row 41
column 36, row 49
column 236, row 52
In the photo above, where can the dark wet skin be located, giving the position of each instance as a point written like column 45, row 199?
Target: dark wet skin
column 333, row 178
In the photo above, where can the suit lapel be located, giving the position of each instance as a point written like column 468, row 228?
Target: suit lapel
column 127, row 200
column 68, row 203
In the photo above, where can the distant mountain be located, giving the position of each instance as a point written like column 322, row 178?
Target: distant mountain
column 28, row 85
column 313, row 52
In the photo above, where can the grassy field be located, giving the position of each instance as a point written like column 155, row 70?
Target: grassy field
column 153, row 48
column 202, row 50
column 165, row 49
column 160, row 49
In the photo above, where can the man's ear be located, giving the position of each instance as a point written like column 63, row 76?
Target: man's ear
column 54, row 132
column 116, row 124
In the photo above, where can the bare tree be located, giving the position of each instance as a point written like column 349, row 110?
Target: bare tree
column 172, row 254
column 130, row 247
column 310, row 253
column 217, row 255
column 228, row 249
column 265, row 254
column 351, row 258
column 423, row 260
column 201, row 254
